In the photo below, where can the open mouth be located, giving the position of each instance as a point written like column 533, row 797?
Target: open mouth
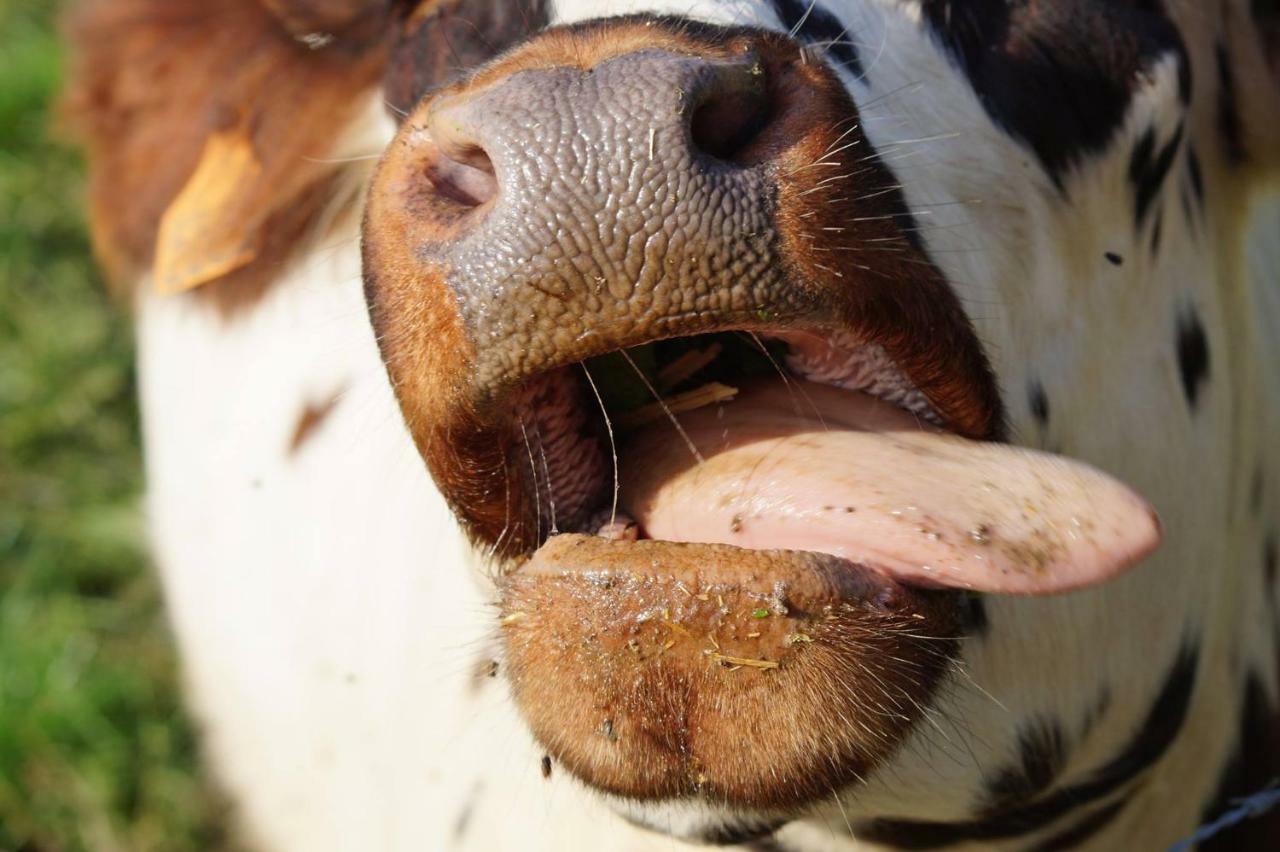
column 755, row 553
column 811, row 441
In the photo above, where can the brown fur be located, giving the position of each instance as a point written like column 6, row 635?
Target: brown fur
column 152, row 79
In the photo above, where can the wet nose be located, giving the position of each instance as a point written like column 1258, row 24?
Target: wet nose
column 578, row 211
column 654, row 111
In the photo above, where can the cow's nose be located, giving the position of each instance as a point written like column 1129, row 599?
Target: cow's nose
column 574, row 211
column 660, row 113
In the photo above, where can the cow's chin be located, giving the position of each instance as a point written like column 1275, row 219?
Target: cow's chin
column 747, row 588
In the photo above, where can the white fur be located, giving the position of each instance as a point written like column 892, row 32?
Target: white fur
column 331, row 617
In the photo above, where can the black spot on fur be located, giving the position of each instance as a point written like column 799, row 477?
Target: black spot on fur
column 757, row 834
column 1087, row 827
column 462, row 821
column 1229, row 127
column 1150, row 740
column 1195, row 174
column 1188, row 206
column 822, row 28
column 544, row 766
column 1038, row 401
column 1114, row 259
column 767, row 844
column 1254, row 763
column 1042, row 750
column 1184, row 81
column 1140, row 158
column 1097, row 712
column 1147, row 170
column 1193, row 355
column 1269, row 560
column 1059, row 75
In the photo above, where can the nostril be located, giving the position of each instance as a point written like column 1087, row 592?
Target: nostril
column 470, row 182
column 459, row 168
column 730, row 117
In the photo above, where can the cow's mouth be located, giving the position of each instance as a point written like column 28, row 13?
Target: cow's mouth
column 810, row 441
column 749, row 540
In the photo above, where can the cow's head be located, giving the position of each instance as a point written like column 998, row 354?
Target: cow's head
column 677, row 313
column 717, row 323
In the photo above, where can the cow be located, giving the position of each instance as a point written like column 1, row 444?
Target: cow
column 621, row 424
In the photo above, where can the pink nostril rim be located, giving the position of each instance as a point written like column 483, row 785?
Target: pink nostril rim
column 470, row 183
column 461, row 170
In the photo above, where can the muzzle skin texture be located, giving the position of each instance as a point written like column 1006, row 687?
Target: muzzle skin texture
column 606, row 186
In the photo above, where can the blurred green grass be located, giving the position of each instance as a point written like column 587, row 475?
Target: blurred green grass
column 95, row 752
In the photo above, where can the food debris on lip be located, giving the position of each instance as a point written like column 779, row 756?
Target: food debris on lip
column 735, row 663
column 617, row 658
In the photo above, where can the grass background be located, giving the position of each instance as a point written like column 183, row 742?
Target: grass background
column 94, row 750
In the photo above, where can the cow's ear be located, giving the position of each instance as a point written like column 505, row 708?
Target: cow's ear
column 213, row 226
column 210, row 129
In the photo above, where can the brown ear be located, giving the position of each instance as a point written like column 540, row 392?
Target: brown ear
column 214, row 119
column 213, row 227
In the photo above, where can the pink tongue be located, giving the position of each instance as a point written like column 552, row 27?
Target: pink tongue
column 810, row 467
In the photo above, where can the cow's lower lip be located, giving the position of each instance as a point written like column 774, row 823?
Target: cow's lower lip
column 761, row 679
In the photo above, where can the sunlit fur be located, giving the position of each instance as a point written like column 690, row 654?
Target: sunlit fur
column 336, row 631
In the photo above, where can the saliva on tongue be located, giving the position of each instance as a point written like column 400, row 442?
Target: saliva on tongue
column 805, row 466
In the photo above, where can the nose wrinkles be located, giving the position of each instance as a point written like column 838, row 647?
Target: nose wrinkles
column 623, row 210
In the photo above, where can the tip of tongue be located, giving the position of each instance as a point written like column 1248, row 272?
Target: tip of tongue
column 810, row 467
